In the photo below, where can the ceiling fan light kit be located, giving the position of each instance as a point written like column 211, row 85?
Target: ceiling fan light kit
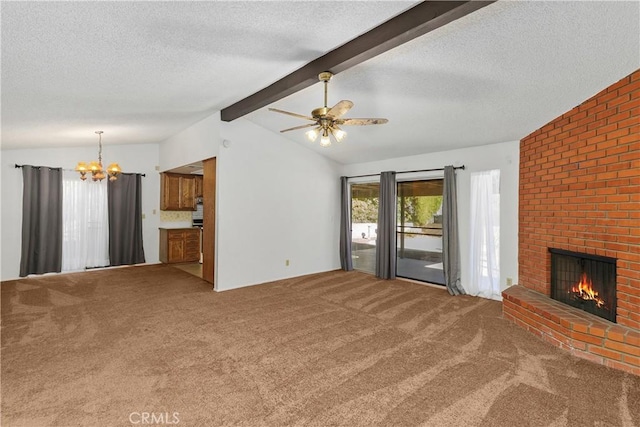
column 312, row 135
column 326, row 120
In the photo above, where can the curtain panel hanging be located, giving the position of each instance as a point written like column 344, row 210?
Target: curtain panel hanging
column 386, row 239
column 484, row 277
column 85, row 223
column 450, row 233
column 345, row 226
column 125, row 220
column 41, row 250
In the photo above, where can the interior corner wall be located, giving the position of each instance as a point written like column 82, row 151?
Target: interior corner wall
column 503, row 156
column 276, row 201
column 198, row 142
column 141, row 158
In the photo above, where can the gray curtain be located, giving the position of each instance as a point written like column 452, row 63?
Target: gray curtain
column 125, row 220
column 41, row 220
column 386, row 240
column 450, row 241
column 345, row 226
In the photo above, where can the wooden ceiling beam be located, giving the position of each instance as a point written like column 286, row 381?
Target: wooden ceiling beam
column 415, row 22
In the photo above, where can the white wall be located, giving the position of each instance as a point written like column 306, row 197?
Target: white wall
column 197, row 142
column 504, row 156
column 276, row 201
column 141, row 158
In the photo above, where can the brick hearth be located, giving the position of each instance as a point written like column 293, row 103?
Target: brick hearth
column 582, row 334
column 580, row 191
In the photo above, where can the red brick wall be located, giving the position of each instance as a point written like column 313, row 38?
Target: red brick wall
column 580, row 191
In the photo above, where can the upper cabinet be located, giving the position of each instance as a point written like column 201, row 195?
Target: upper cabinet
column 199, row 190
column 177, row 192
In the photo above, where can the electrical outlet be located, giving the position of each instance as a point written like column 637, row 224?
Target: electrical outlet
column 143, row 216
column 509, row 281
column 286, row 262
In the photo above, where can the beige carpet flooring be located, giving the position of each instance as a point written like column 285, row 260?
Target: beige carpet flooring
column 103, row 348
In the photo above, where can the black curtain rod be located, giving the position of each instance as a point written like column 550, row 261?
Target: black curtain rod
column 19, row 166
column 421, row 170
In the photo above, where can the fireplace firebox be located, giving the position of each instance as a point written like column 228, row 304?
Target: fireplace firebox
column 584, row 281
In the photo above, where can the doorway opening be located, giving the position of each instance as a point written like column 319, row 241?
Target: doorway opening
column 419, row 231
column 364, row 225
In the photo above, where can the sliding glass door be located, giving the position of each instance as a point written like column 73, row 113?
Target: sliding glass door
column 364, row 225
column 419, row 231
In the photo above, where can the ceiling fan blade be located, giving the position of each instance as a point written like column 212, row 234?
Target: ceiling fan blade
column 299, row 127
column 361, row 122
column 292, row 114
column 340, row 108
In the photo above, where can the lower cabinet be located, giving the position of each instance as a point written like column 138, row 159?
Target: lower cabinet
column 179, row 245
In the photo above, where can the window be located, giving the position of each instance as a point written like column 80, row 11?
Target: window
column 85, row 223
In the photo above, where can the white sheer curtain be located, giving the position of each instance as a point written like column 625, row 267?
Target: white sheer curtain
column 485, row 234
column 85, row 223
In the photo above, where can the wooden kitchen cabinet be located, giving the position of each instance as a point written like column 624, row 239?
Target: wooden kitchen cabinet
column 177, row 192
column 179, row 245
column 199, row 186
column 188, row 188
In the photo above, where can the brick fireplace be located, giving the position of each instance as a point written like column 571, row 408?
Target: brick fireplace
column 580, row 192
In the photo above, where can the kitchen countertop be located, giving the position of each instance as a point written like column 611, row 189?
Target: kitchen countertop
column 176, row 228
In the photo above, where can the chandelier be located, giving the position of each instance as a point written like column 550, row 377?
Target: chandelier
column 97, row 172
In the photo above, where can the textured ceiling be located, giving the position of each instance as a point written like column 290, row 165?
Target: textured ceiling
column 143, row 71
column 493, row 76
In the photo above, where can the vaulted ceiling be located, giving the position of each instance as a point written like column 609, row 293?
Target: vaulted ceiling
column 144, row 71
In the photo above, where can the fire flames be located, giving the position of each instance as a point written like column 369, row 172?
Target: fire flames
column 584, row 290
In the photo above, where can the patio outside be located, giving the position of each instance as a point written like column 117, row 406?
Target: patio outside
column 418, row 232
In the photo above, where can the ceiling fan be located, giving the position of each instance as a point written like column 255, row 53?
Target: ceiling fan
column 327, row 121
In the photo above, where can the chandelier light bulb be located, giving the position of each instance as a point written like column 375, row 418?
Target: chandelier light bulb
column 95, row 167
column 113, row 170
column 83, row 169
